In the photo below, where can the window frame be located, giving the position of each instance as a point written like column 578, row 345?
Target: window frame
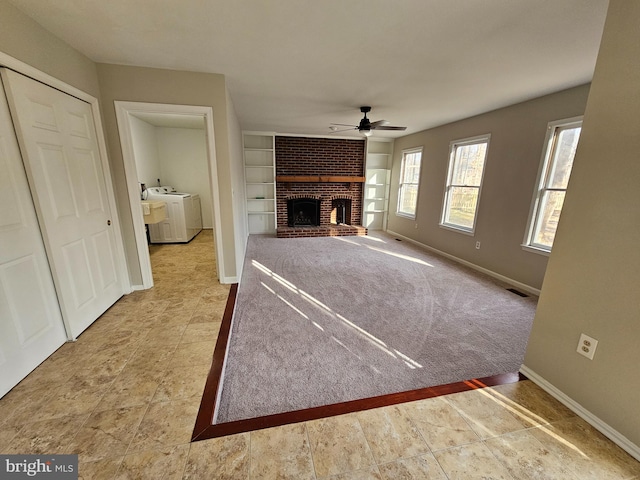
column 542, row 178
column 401, row 182
column 453, row 146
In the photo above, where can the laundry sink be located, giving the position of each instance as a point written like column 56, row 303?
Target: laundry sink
column 153, row 211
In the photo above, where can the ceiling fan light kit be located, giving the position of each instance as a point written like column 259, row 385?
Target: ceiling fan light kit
column 366, row 126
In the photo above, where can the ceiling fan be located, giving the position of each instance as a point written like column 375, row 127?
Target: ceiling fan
column 366, row 126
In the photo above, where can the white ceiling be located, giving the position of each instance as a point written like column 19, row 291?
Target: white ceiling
column 171, row 120
column 296, row 66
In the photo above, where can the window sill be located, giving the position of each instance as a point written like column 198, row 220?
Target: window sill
column 539, row 251
column 453, row 228
column 405, row 215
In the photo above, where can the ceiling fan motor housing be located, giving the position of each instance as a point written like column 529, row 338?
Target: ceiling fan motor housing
column 366, row 126
column 365, row 123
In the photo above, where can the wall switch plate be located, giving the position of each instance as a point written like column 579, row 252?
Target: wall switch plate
column 477, row 245
column 587, row 346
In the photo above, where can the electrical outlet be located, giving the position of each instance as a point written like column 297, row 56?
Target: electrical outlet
column 416, row 225
column 587, row 346
column 477, row 245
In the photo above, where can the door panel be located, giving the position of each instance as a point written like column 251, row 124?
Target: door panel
column 31, row 326
column 76, row 260
column 91, row 178
column 58, row 139
column 19, row 279
column 57, row 181
column 106, row 266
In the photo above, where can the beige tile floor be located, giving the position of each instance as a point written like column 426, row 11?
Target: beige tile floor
column 125, row 397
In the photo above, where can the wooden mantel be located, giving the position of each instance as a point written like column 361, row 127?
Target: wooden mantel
column 319, row 179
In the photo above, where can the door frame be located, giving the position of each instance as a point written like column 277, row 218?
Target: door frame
column 19, row 66
column 124, row 110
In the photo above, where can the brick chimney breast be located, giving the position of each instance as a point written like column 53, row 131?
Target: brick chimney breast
column 320, row 157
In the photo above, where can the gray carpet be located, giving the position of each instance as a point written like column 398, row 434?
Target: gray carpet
column 328, row 320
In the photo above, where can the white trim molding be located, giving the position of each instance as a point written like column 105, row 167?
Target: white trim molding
column 449, row 184
column 123, row 111
column 604, row 428
column 546, row 162
column 519, row 285
column 401, row 182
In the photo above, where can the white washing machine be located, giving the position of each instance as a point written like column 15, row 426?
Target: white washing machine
column 184, row 218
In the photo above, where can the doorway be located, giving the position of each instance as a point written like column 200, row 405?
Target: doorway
column 168, row 118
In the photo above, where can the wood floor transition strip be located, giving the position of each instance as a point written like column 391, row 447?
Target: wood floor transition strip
column 210, row 395
column 205, row 429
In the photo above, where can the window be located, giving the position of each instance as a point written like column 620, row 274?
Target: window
column 464, row 180
column 557, row 160
column 409, row 179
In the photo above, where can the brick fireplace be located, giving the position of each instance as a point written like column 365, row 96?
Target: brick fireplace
column 324, row 170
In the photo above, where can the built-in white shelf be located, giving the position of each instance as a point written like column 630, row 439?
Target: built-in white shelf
column 376, row 188
column 260, row 181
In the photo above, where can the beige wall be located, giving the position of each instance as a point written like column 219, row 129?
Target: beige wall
column 25, row 40
column 241, row 229
column 139, row 84
column 593, row 277
column 517, row 139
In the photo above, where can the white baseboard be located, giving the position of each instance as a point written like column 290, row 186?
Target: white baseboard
column 225, row 280
column 604, row 428
column 521, row 286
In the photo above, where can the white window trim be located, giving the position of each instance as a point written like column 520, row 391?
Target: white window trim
column 452, row 146
column 400, row 182
column 544, row 163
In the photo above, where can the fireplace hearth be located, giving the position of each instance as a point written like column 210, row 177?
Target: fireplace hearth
column 341, row 211
column 303, row 212
column 319, row 217
column 319, row 186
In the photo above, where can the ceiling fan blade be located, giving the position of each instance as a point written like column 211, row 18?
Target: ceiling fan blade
column 344, row 130
column 366, row 126
column 379, row 123
column 384, row 127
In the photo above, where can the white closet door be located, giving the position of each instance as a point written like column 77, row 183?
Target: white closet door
column 31, row 325
column 57, row 137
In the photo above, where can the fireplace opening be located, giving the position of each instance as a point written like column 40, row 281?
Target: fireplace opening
column 341, row 211
column 303, row 212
